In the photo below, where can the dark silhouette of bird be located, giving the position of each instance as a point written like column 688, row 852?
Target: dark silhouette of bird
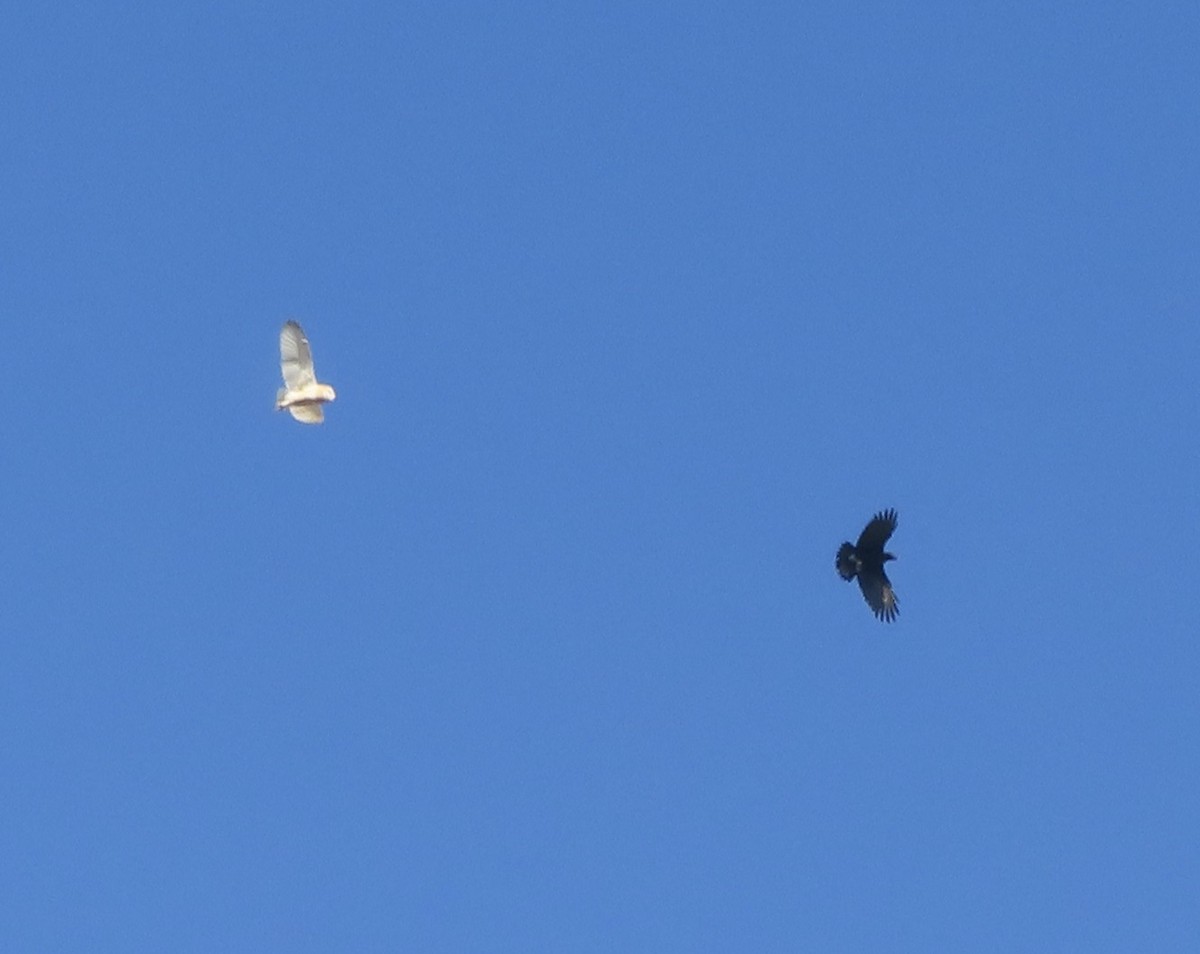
column 865, row 560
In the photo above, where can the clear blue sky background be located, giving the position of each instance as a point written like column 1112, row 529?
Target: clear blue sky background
column 635, row 312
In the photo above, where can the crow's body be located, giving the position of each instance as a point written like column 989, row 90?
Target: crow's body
column 865, row 560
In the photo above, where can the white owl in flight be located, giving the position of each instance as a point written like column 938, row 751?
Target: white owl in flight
column 301, row 394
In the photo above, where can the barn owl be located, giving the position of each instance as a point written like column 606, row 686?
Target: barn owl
column 301, row 394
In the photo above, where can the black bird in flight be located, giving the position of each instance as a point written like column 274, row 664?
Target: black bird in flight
column 865, row 560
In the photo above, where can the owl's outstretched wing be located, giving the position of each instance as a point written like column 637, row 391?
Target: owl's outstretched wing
column 307, row 413
column 295, row 357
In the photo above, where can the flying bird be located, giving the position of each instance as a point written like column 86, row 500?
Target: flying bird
column 865, row 560
column 301, row 394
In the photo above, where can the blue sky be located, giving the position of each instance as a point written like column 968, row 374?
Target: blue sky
column 634, row 312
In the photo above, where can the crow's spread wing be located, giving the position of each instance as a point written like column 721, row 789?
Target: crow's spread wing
column 877, row 591
column 876, row 533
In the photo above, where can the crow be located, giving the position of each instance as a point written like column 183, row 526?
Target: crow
column 865, row 560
